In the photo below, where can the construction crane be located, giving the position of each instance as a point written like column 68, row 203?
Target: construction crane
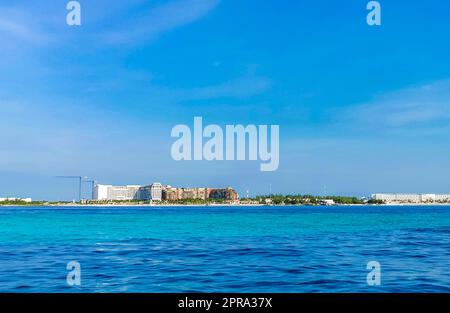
column 80, row 179
column 93, row 182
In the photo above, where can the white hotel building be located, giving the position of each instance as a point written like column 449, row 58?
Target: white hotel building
column 129, row 192
column 411, row 198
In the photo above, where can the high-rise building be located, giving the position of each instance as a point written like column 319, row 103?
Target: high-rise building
column 129, row 192
column 156, row 191
column 100, row 192
column 169, row 193
column 110, row 192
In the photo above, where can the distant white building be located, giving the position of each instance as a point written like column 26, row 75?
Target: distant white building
column 442, row 198
column 128, row 192
column 327, row 202
column 428, row 198
column 110, row 192
column 156, row 191
column 411, row 198
column 100, row 192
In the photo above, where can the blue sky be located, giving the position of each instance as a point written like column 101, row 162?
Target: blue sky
column 361, row 109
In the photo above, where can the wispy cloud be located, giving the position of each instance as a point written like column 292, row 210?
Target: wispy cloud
column 425, row 106
column 238, row 88
column 160, row 19
column 20, row 26
column 129, row 22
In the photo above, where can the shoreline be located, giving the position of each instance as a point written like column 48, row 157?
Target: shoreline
column 76, row 205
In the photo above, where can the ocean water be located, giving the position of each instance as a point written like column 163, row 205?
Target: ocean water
column 225, row 249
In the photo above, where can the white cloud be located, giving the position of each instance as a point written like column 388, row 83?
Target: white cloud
column 20, row 25
column 242, row 87
column 160, row 19
column 114, row 23
column 238, row 88
column 417, row 106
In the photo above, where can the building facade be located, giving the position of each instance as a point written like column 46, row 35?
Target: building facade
column 170, row 193
column 224, row 193
column 156, row 192
column 412, row 198
column 128, row 192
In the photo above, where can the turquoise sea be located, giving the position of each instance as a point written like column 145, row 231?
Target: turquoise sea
column 225, row 249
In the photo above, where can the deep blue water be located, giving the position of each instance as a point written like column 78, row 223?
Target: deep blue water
column 225, row 249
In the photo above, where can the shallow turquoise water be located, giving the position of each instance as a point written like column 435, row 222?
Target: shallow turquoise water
column 238, row 249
